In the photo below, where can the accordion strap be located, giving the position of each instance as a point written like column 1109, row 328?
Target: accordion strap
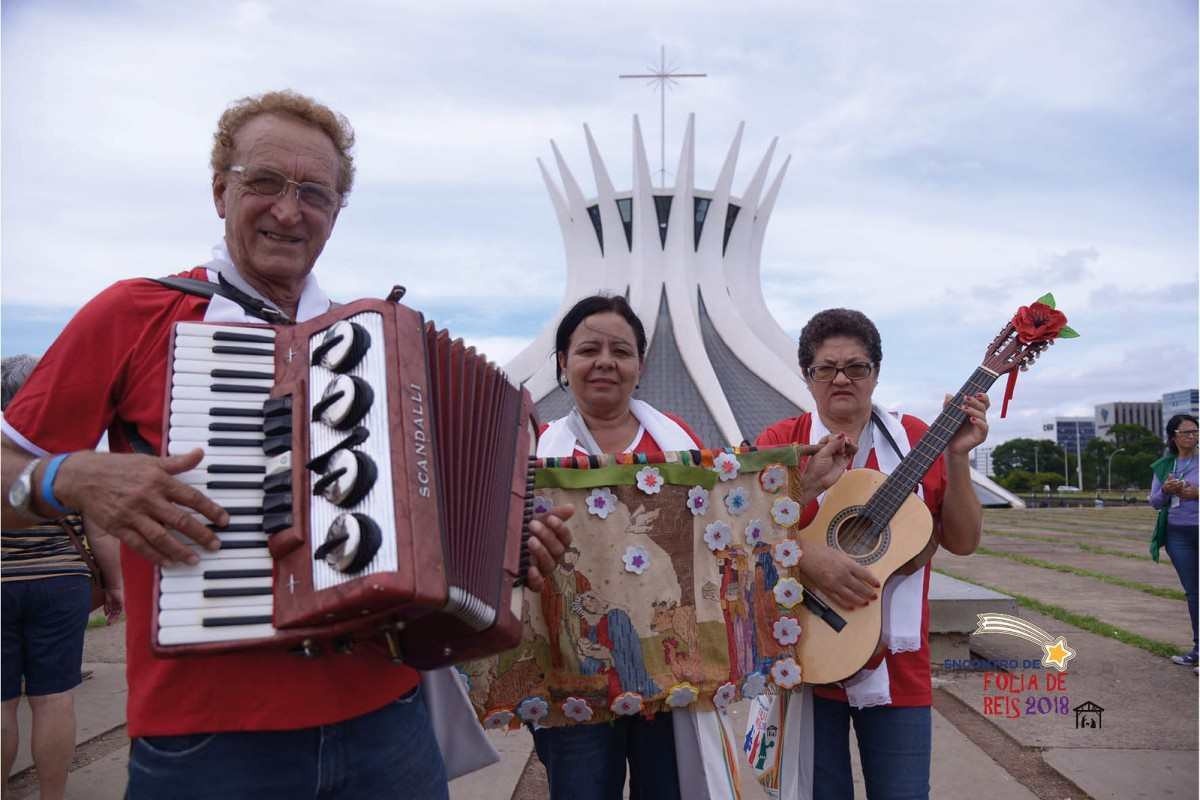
column 251, row 305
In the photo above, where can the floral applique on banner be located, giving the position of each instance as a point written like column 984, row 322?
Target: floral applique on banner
column 754, row 532
column 717, row 535
column 497, row 720
column 785, row 511
column 725, row 696
column 726, row 466
column 787, row 592
column 541, row 505
column 787, row 630
column 601, row 502
column 786, row 673
column 754, row 685
column 682, row 695
column 533, row 710
column 577, row 709
column 737, row 501
column 787, row 553
column 773, row 478
column 697, row 500
column 627, row 704
column 649, row 480
column 636, row 559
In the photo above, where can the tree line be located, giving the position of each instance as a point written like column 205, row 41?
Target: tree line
column 1028, row 465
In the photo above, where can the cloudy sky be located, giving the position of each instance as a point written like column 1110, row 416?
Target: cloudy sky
column 950, row 161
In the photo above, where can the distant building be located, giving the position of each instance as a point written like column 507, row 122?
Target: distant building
column 1186, row 401
column 1149, row 415
column 981, row 460
column 1073, row 433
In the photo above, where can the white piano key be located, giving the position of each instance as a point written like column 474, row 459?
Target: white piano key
column 196, row 616
column 183, row 600
column 218, row 452
column 195, row 634
column 190, row 366
column 215, row 397
column 228, row 556
column 192, row 583
column 207, row 329
column 235, row 497
column 226, row 360
column 182, row 405
column 189, row 379
column 258, row 561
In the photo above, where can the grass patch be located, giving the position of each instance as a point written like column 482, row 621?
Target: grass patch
column 1157, row 591
column 1059, row 540
column 1081, row 621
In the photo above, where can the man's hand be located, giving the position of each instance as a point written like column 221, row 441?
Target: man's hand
column 826, row 462
column 549, row 541
column 841, row 579
column 137, row 499
column 974, row 429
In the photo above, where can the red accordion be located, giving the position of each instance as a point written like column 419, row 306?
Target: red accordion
column 377, row 478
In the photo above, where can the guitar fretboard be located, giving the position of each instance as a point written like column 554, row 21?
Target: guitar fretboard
column 899, row 485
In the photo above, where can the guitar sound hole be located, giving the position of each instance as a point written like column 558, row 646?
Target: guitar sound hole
column 857, row 536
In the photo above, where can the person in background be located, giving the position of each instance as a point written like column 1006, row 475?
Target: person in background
column 1173, row 492
column 46, row 589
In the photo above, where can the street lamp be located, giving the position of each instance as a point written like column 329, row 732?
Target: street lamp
column 1110, row 458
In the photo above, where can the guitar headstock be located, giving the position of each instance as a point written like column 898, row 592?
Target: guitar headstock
column 1026, row 336
column 1008, row 352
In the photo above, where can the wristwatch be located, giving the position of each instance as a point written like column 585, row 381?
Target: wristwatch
column 20, row 493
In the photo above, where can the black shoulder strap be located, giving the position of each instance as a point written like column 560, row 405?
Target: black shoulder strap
column 251, row 305
column 886, row 434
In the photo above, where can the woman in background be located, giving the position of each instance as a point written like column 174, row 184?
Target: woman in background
column 1173, row 493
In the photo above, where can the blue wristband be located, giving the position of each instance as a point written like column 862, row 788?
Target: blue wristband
column 48, row 476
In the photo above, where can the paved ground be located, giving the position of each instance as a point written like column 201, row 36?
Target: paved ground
column 1146, row 747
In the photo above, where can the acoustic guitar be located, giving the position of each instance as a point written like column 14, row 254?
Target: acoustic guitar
column 879, row 522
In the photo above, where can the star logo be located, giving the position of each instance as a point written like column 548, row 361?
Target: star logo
column 1057, row 654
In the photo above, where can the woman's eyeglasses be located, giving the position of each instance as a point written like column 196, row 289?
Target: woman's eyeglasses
column 824, row 373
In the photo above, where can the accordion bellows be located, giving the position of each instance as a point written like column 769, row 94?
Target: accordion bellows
column 679, row 590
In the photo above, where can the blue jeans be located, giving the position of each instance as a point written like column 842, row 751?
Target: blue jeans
column 587, row 762
column 388, row 753
column 894, row 744
column 1181, row 547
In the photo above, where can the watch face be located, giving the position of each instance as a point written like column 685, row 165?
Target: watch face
column 18, row 494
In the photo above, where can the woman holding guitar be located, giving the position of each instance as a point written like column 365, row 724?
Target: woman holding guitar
column 889, row 699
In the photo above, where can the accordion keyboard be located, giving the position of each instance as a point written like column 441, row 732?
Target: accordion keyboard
column 221, row 380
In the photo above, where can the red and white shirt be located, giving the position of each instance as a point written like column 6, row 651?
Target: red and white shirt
column 108, row 369
column 908, row 672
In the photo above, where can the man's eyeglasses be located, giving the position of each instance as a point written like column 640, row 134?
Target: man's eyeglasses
column 824, row 373
column 269, row 183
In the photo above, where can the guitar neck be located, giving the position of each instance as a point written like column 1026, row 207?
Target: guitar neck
column 899, row 485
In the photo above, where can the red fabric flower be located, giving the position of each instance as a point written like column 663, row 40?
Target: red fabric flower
column 1038, row 323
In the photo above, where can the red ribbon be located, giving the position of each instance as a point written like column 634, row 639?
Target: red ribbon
column 1008, row 391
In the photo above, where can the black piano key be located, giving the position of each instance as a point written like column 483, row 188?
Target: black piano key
column 224, row 442
column 274, row 523
column 277, row 503
column 220, row 411
column 274, row 445
column 237, row 388
column 228, row 574
column 240, row 544
column 278, row 406
column 217, row 485
column 220, row 622
column 277, row 426
column 231, row 336
column 279, row 482
column 244, row 511
column 235, row 427
column 242, row 373
column 238, row 527
column 238, row 591
column 233, row 350
column 236, row 469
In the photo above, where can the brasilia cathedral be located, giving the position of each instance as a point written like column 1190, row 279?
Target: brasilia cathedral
column 688, row 260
